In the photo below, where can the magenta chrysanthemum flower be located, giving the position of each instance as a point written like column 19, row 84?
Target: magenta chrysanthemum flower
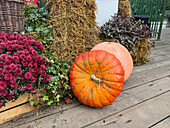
column 44, row 81
column 3, row 92
column 18, row 66
column 34, row 59
column 43, row 67
column 19, row 71
column 35, row 66
column 1, row 70
column 1, row 64
column 2, row 85
column 30, row 65
column 31, row 70
column 13, row 85
column 16, row 58
column 29, row 58
column 10, row 58
column 33, row 80
column 40, row 71
column 24, row 62
column 7, row 69
column 3, row 45
column 34, row 52
column 3, row 57
column 8, row 76
column 48, row 78
column 26, row 44
column 22, row 56
column 13, row 67
column 29, row 86
column 10, row 47
column 13, row 80
column 39, row 57
column 44, row 74
column 28, row 75
column 20, row 52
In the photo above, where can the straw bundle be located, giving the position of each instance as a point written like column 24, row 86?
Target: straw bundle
column 124, row 8
column 143, row 50
column 74, row 27
column 33, row 35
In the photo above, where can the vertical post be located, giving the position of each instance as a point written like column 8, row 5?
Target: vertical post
column 162, row 18
column 158, row 17
column 152, row 14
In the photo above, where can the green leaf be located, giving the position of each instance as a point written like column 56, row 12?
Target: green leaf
column 49, row 102
column 37, row 116
column 37, row 29
column 45, row 98
column 50, row 26
column 31, row 102
column 38, row 122
column 23, row 33
column 29, row 29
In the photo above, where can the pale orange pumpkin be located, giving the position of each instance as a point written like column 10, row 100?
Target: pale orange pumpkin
column 96, row 78
column 120, row 52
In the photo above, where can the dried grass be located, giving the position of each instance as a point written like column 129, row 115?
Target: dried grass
column 74, row 27
column 33, row 35
column 124, row 8
column 143, row 50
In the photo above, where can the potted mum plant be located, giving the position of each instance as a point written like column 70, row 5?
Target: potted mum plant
column 22, row 69
column 134, row 35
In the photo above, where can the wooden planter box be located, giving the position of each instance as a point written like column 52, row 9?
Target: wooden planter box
column 15, row 109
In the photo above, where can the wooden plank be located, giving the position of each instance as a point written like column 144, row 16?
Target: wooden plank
column 160, row 45
column 148, row 75
column 22, row 99
column 151, row 66
column 162, row 51
column 83, row 115
column 155, row 58
column 17, row 111
column 163, row 124
column 30, row 116
column 17, row 108
column 139, row 116
column 157, row 55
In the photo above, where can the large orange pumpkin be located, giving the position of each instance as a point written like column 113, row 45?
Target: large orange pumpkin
column 96, row 78
column 120, row 52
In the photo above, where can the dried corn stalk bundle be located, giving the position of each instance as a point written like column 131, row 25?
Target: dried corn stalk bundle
column 141, row 52
column 74, row 27
column 124, row 8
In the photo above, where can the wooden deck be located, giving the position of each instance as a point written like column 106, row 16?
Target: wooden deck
column 144, row 101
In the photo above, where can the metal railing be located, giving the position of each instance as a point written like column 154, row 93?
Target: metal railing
column 155, row 9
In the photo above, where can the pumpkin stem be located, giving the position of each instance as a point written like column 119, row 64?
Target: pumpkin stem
column 98, row 80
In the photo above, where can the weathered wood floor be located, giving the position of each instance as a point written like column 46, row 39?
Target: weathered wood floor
column 144, row 102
